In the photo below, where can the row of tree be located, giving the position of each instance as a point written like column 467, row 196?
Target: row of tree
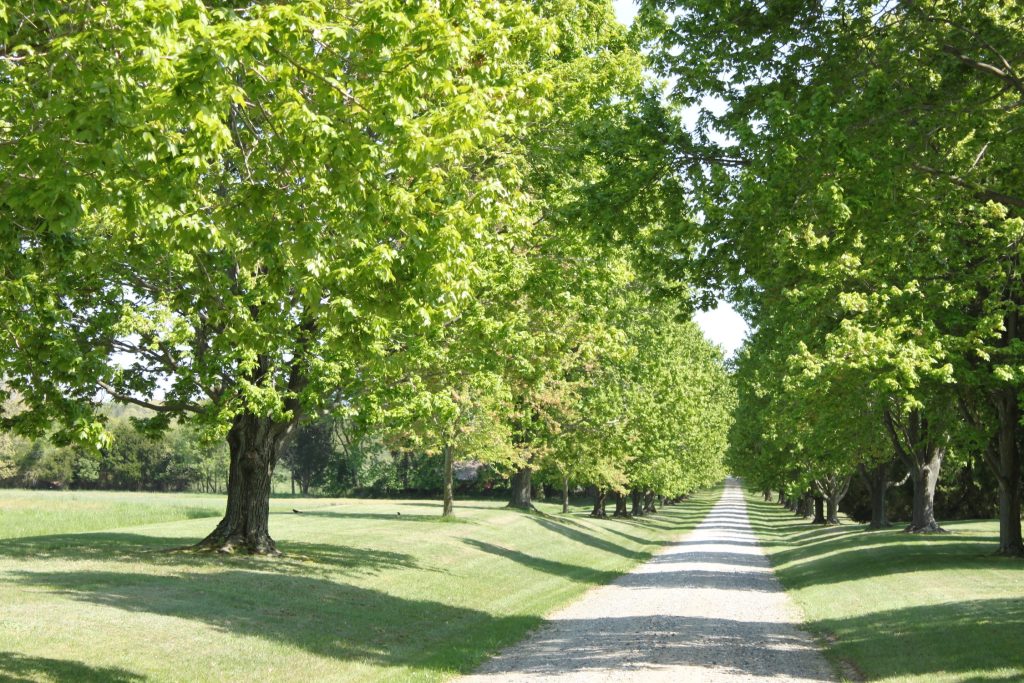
column 866, row 211
column 432, row 221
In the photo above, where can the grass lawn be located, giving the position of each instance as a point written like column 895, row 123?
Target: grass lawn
column 898, row 607
column 364, row 594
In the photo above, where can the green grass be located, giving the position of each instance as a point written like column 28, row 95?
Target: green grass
column 364, row 594
column 891, row 606
column 32, row 513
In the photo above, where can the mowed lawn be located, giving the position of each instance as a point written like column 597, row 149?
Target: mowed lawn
column 368, row 590
column 891, row 606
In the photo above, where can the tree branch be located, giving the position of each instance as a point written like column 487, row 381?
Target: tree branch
column 157, row 407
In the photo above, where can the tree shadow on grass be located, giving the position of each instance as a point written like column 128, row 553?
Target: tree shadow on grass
column 570, row 571
column 154, row 550
column 15, row 668
column 970, row 637
column 574, row 533
column 323, row 617
column 848, row 553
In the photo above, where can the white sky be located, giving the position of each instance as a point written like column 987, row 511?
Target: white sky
column 723, row 325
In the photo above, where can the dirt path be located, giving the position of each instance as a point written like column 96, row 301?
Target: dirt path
column 707, row 608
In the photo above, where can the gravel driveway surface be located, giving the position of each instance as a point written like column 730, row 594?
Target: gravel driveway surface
column 707, row 608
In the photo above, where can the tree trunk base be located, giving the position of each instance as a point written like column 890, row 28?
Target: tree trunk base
column 930, row 528
column 1011, row 551
column 231, row 544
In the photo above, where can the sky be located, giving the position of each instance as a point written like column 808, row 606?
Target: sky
column 723, row 325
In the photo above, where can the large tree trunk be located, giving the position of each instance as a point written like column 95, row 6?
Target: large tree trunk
column 600, row 496
column 923, row 455
column 620, row 505
column 819, row 510
column 254, row 444
column 649, row 503
column 638, row 504
column 522, row 490
column 767, row 495
column 831, row 511
column 877, row 481
column 1007, row 468
column 924, row 473
column 807, row 505
column 832, row 488
column 565, row 495
column 449, row 482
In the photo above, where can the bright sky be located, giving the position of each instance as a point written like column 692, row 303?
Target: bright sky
column 723, row 325
column 625, row 10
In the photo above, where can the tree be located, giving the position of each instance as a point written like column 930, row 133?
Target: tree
column 265, row 203
column 867, row 168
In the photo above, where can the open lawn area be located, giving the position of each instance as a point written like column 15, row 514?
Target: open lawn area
column 891, row 606
column 368, row 590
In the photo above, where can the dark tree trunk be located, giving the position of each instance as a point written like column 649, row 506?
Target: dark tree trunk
column 599, row 500
column 620, row 505
column 638, row 506
column 293, row 482
column 304, row 485
column 782, row 498
column 565, row 495
column 876, row 480
column 923, row 457
column 1007, row 468
column 254, row 444
column 925, row 477
column 807, row 505
column 819, row 510
column 832, row 488
column 649, row 503
column 767, row 495
column 522, row 490
column 832, row 510
column 449, row 482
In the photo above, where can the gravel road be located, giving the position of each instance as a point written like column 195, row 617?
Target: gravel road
column 707, row 608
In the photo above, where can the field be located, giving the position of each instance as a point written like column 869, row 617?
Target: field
column 369, row 590
column 895, row 607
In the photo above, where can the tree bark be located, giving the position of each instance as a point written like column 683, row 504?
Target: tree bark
column 832, row 511
column 448, row 508
column 807, row 505
column 620, row 505
column 649, row 503
column 599, row 501
column 925, row 477
column 923, row 457
column 638, row 507
column 1007, row 468
column 832, row 488
column 876, row 480
column 254, row 444
column 565, row 495
column 767, row 495
column 522, row 490
column 819, row 510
